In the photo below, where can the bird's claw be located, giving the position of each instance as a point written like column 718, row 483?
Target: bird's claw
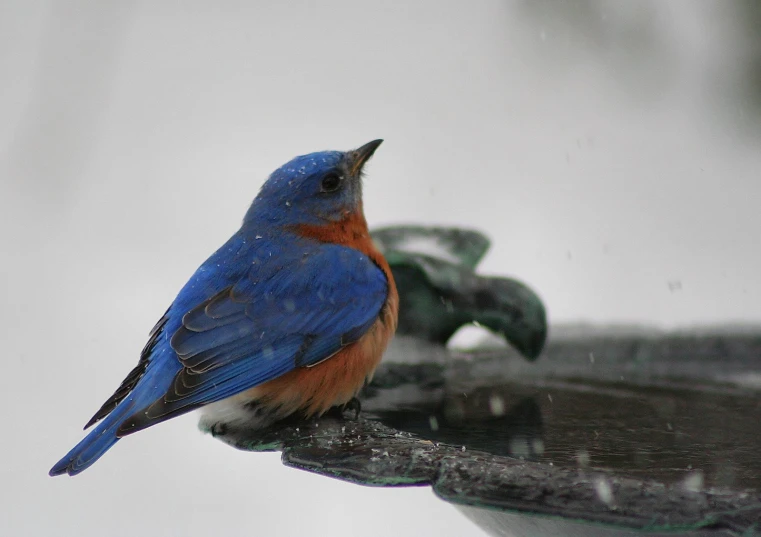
column 352, row 406
column 218, row 429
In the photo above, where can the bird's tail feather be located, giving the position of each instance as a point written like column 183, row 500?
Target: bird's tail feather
column 155, row 382
column 95, row 444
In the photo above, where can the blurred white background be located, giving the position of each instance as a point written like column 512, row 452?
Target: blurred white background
column 610, row 149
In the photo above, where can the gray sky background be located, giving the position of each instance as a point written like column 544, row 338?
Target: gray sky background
column 605, row 148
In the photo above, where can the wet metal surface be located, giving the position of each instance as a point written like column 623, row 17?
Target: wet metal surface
column 673, row 435
column 621, row 441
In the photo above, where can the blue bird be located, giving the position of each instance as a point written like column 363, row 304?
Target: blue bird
column 290, row 316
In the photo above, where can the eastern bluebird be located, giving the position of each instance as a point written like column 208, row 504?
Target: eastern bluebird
column 291, row 315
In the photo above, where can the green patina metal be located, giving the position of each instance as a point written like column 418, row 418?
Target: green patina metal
column 439, row 291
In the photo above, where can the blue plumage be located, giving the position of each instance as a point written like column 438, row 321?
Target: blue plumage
column 268, row 301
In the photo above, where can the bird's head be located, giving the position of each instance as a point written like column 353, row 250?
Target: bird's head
column 317, row 188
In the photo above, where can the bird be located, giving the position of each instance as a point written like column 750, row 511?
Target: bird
column 289, row 317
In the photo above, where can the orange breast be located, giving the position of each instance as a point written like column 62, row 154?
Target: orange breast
column 336, row 380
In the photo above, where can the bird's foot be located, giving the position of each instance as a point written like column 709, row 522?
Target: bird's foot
column 349, row 411
column 218, row 429
column 352, row 407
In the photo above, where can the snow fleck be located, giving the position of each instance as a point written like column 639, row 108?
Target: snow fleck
column 432, row 248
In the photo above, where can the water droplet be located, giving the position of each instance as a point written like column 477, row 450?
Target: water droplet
column 694, row 481
column 496, row 405
column 582, row 458
column 434, row 423
column 604, row 491
column 674, row 285
column 519, row 447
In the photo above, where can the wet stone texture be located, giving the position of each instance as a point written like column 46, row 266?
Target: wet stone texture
column 608, row 433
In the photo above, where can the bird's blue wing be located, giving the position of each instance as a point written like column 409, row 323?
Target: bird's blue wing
column 283, row 314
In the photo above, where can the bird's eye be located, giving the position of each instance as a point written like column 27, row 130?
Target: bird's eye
column 331, row 182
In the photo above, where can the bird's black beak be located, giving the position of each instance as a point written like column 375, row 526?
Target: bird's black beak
column 359, row 156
